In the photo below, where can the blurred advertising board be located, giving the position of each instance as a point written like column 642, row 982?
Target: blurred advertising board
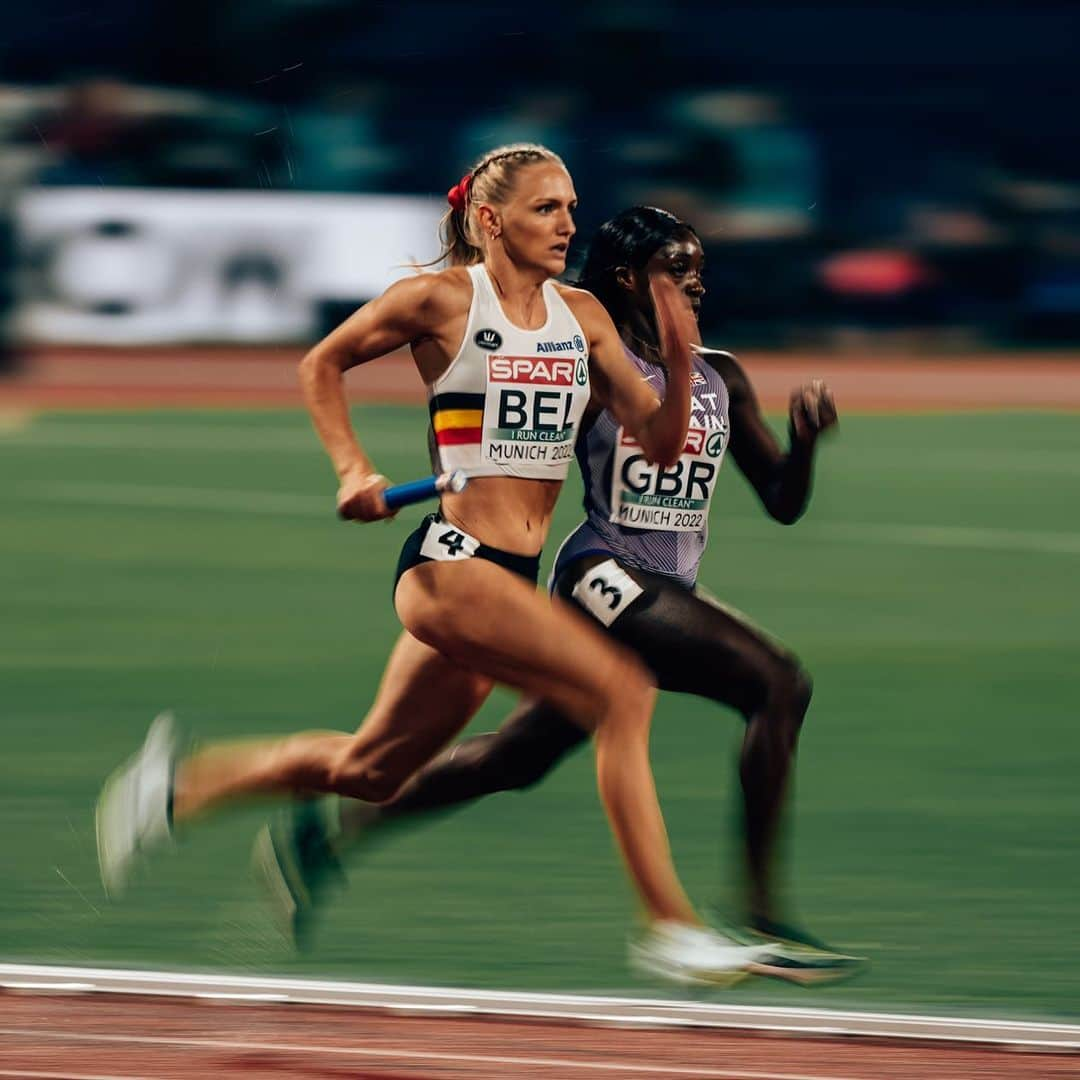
column 138, row 266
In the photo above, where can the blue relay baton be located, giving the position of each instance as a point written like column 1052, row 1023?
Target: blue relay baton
column 418, row 490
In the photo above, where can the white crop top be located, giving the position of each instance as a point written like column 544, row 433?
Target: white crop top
column 511, row 400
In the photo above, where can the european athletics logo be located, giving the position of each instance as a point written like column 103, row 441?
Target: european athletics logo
column 488, row 339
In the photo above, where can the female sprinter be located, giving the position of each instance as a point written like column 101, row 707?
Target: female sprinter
column 632, row 565
column 502, row 350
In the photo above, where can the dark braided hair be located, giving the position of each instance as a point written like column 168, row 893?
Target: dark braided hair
column 629, row 239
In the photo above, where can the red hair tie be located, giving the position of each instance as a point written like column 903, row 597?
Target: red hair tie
column 458, row 195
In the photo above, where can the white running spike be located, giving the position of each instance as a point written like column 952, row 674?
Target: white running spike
column 133, row 808
column 695, row 955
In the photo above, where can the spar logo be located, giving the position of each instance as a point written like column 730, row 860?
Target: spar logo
column 582, row 375
column 531, row 370
column 717, row 438
column 530, row 408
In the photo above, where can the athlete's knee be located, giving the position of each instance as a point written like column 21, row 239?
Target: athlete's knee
column 519, row 764
column 789, row 693
column 359, row 774
column 627, row 692
column 490, row 764
column 500, row 761
column 304, row 761
column 796, row 688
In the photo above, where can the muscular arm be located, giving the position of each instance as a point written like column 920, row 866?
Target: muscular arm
column 408, row 312
column 782, row 480
column 660, row 426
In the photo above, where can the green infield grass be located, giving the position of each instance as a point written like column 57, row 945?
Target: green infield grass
column 192, row 560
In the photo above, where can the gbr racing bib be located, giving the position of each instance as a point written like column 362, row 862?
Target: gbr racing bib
column 532, row 405
column 674, row 499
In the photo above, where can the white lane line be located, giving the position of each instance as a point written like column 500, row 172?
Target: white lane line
column 625, row 1068
column 962, row 537
column 648, row 1012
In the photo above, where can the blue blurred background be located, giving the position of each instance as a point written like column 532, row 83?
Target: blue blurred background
column 854, row 169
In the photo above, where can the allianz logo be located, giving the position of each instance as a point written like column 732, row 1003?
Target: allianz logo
column 574, row 344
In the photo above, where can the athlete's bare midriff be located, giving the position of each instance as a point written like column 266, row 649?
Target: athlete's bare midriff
column 506, row 512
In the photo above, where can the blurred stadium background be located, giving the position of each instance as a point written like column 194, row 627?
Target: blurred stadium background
column 851, row 167
column 191, row 192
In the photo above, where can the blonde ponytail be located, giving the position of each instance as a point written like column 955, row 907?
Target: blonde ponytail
column 491, row 181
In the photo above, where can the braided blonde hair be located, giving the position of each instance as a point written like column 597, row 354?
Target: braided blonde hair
column 491, row 181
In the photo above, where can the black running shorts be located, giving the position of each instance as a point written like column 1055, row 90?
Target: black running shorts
column 437, row 540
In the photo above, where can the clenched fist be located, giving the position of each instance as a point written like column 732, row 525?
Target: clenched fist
column 360, row 496
column 811, row 412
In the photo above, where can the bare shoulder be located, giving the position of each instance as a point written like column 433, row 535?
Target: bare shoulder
column 727, row 366
column 585, row 307
column 439, row 294
column 580, row 301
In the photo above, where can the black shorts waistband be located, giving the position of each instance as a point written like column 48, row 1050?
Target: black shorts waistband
column 525, row 566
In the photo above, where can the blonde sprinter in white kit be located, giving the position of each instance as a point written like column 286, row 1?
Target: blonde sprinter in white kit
column 508, row 356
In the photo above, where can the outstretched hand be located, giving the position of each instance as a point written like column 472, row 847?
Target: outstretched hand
column 812, row 411
column 360, row 496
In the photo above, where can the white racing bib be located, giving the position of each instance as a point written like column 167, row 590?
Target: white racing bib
column 532, row 405
column 645, row 496
column 605, row 591
column 444, row 542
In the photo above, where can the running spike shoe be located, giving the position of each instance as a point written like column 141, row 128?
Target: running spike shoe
column 295, row 860
column 798, row 956
column 134, row 809
column 694, row 955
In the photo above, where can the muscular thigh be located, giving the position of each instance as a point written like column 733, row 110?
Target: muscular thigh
column 691, row 642
column 482, row 616
column 423, row 701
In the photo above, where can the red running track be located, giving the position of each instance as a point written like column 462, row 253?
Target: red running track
column 147, row 378
column 108, row 1037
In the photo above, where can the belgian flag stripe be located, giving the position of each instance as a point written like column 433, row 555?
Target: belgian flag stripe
column 455, row 401
column 465, row 436
column 457, row 418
